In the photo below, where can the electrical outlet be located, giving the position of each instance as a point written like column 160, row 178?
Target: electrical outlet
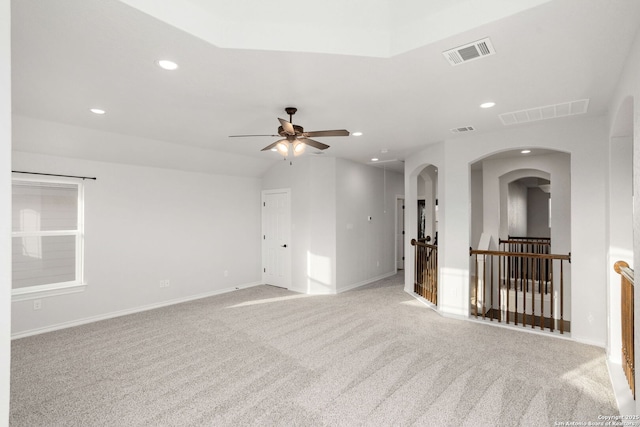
column 37, row 304
column 226, row 273
column 165, row 283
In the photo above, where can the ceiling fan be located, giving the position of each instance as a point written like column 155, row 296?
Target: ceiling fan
column 296, row 137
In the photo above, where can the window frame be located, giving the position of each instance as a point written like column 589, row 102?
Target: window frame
column 58, row 288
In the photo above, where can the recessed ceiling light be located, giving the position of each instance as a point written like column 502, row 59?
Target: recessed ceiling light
column 167, row 65
column 97, row 111
column 375, row 159
column 357, row 134
column 525, row 151
column 487, row 105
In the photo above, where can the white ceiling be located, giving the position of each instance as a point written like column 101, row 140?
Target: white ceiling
column 361, row 66
column 378, row 28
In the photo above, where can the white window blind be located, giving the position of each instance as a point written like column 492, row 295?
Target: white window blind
column 46, row 234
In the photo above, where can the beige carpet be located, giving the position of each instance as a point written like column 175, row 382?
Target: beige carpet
column 266, row 356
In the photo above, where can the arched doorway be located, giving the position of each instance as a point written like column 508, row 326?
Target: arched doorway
column 525, row 204
column 422, row 233
column 525, row 195
column 427, row 225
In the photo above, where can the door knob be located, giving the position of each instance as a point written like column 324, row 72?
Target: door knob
column 284, row 246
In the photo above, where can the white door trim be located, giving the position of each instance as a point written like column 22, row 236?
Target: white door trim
column 397, row 231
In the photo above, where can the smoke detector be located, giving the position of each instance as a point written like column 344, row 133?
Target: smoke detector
column 469, row 52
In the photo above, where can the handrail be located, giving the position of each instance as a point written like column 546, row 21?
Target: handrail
column 422, row 242
column 521, row 238
column 515, row 241
column 426, row 270
column 627, row 320
column 522, row 254
column 622, row 268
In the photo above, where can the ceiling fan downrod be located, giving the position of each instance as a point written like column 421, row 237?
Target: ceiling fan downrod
column 290, row 111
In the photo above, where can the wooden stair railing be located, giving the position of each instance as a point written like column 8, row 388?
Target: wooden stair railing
column 529, row 239
column 426, row 270
column 534, row 245
column 524, row 284
column 626, row 310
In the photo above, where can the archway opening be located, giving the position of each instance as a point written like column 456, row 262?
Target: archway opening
column 529, row 207
column 422, row 229
column 427, row 224
column 521, row 208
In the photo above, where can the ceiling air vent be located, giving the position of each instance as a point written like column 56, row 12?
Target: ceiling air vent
column 563, row 109
column 462, row 129
column 469, row 52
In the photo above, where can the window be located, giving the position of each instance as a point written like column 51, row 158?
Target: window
column 47, row 237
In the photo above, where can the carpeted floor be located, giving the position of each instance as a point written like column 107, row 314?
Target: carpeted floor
column 267, row 356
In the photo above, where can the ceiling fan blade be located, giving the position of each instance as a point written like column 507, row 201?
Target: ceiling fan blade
column 244, row 136
column 270, row 146
column 314, row 144
column 288, row 127
column 338, row 132
column 274, row 145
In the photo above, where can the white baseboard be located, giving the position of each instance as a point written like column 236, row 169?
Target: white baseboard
column 366, row 282
column 424, row 301
column 134, row 310
column 590, row 342
column 468, row 318
column 624, row 397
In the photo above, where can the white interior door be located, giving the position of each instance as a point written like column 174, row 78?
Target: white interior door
column 276, row 236
column 400, row 234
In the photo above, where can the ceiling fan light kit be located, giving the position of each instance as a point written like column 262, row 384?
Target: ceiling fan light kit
column 298, row 148
column 296, row 136
column 283, row 147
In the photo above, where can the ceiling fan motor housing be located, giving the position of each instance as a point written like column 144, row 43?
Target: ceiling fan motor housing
column 298, row 130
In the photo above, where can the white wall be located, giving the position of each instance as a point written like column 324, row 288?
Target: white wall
column 620, row 232
column 91, row 144
column 334, row 246
column 537, row 213
column 320, row 262
column 143, row 225
column 517, row 209
column 365, row 249
column 585, row 139
column 5, row 209
column 312, row 181
column 628, row 90
column 477, row 216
